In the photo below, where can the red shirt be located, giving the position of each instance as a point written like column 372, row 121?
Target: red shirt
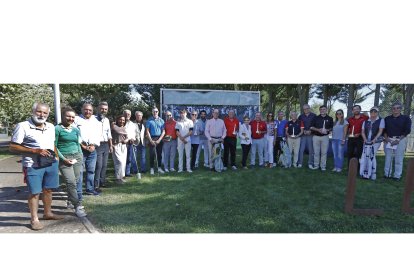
column 170, row 128
column 261, row 126
column 231, row 126
column 356, row 124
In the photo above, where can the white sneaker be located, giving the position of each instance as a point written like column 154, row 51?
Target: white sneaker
column 152, row 171
column 334, row 170
column 300, row 166
column 224, row 168
column 295, row 166
column 196, row 165
column 172, row 170
column 313, row 168
column 166, row 170
column 190, row 171
column 180, row 171
column 323, row 169
column 80, row 212
column 310, row 167
column 160, row 170
column 234, row 168
column 206, row 166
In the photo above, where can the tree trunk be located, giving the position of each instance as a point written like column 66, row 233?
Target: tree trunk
column 408, row 98
column 325, row 94
column 303, row 94
column 351, row 95
column 377, row 94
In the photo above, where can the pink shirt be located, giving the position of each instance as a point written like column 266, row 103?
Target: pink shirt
column 215, row 128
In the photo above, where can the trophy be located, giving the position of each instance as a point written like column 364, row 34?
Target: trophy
column 323, row 128
column 293, row 135
column 234, row 131
column 195, row 130
column 352, row 133
column 257, row 131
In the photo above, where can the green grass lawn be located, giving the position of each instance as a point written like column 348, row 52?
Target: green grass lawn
column 248, row 201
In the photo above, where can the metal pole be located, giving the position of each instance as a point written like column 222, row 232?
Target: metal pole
column 56, row 91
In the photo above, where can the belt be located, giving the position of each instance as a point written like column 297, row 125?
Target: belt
column 104, row 142
column 395, row 137
column 215, row 137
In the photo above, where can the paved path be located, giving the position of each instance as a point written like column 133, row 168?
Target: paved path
column 14, row 211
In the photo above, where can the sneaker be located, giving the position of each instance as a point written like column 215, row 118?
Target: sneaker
column 295, row 166
column 94, row 193
column 152, row 171
column 338, row 170
column 172, row 170
column 160, row 170
column 233, row 168
column 323, row 169
column 206, row 166
column 80, row 211
column 313, row 168
column 69, row 205
column 190, row 171
column 196, row 165
column 274, row 165
column 334, row 169
column 224, row 168
column 310, row 167
column 166, row 170
column 300, row 166
column 246, row 168
column 180, row 171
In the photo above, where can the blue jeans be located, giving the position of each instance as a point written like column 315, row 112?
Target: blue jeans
column 140, row 151
column 89, row 163
column 131, row 164
column 338, row 152
column 102, row 153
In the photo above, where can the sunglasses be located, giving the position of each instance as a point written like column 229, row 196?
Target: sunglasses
column 194, row 114
column 169, row 115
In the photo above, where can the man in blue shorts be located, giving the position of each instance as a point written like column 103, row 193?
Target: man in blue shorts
column 35, row 140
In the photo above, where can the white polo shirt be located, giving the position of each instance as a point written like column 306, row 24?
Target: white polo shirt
column 183, row 127
column 131, row 129
column 90, row 129
column 29, row 135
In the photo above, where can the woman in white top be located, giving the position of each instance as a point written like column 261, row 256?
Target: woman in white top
column 245, row 135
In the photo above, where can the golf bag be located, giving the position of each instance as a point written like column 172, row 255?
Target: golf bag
column 217, row 160
column 367, row 166
column 285, row 159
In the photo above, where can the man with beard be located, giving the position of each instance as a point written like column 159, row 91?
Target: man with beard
column 354, row 129
column 203, row 139
column 105, row 147
column 89, row 131
column 35, row 140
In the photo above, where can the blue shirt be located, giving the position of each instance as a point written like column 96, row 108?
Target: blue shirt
column 280, row 127
column 155, row 126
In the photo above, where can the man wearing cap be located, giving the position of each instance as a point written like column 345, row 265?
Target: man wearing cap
column 372, row 130
column 105, row 146
column 397, row 127
column 184, row 129
column 155, row 133
column 35, row 140
column 215, row 132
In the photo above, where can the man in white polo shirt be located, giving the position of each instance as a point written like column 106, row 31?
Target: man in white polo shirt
column 184, row 128
column 35, row 140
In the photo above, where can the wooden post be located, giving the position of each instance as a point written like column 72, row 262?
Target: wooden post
column 409, row 187
column 350, row 193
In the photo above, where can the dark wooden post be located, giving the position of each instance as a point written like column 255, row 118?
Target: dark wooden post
column 409, row 187
column 350, row 193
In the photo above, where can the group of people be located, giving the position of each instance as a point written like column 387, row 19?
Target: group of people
column 80, row 145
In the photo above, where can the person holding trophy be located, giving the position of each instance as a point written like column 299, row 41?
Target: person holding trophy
column 245, row 135
column 259, row 129
column 354, row 129
column 321, row 126
column 294, row 130
column 169, row 146
column 232, row 127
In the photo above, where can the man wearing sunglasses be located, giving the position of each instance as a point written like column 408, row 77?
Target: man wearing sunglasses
column 397, row 127
column 155, row 133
